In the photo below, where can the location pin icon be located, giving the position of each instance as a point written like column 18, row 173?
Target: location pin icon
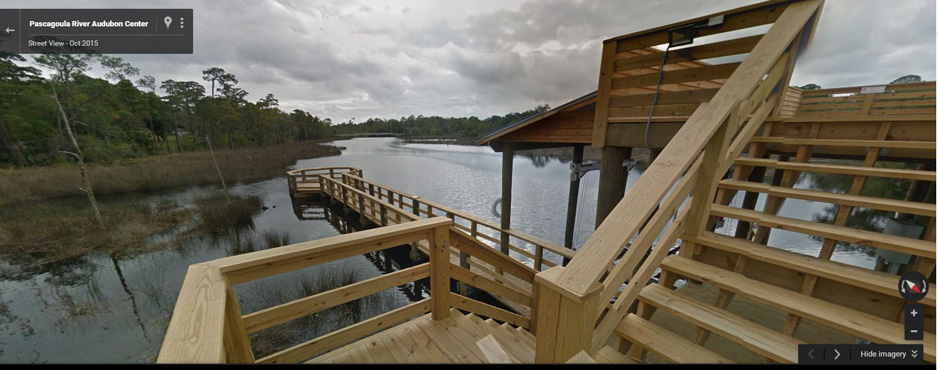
column 168, row 21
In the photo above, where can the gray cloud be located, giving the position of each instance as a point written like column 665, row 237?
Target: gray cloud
column 389, row 59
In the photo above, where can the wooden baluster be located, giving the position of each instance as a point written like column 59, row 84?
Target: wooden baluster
column 361, row 209
column 237, row 344
column 538, row 257
column 344, row 200
column 384, row 214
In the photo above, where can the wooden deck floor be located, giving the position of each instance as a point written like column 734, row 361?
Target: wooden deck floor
column 461, row 338
column 458, row 339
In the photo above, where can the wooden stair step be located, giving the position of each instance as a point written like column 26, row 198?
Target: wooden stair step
column 840, row 169
column 468, row 325
column 611, row 356
column 866, row 326
column 892, row 205
column 876, row 281
column 663, row 343
column 891, row 144
column 874, row 239
column 511, row 342
column 529, row 341
column 759, row 339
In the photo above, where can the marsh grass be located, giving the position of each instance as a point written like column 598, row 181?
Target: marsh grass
column 323, row 279
column 217, row 215
column 159, row 172
column 43, row 232
column 275, row 238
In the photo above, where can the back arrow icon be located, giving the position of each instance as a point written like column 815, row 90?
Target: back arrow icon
column 9, row 31
column 837, row 354
column 811, row 353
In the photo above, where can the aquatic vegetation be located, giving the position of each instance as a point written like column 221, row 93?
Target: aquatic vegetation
column 276, row 238
column 159, row 172
column 217, row 215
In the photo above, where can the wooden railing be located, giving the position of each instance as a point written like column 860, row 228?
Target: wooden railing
column 208, row 327
column 498, row 274
column 310, row 176
column 484, row 230
column 877, row 100
column 660, row 204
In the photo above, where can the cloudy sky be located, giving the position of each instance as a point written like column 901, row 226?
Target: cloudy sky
column 392, row 58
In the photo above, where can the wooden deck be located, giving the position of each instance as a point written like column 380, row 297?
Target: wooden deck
column 459, row 339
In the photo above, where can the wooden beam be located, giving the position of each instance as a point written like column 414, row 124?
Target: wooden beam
column 612, row 179
column 507, row 166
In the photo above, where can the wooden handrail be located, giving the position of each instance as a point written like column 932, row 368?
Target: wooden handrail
column 207, row 325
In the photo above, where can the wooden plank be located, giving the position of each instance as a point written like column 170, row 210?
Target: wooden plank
column 479, row 308
column 875, row 329
column 196, row 329
column 611, row 356
column 840, row 169
column 891, row 144
column 630, row 214
column 706, row 51
column 490, row 256
column 874, row 239
column 606, row 73
column 664, row 98
column 490, row 286
column 581, row 358
column 493, row 352
column 677, row 76
column 762, row 340
column 917, row 208
column 859, row 277
column 376, row 237
column 735, row 19
column 454, row 339
column 237, row 345
column 347, row 334
column 266, row 318
column 665, row 344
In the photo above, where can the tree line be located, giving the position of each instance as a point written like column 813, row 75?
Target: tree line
column 114, row 118
column 124, row 116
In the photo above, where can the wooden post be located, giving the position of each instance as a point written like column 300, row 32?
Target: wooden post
column 572, row 198
column 439, row 272
column 344, row 200
column 565, row 319
column 508, row 153
column 322, row 187
column 361, row 209
column 384, row 215
column 612, row 178
column 237, row 344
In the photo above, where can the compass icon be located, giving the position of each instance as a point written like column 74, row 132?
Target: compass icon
column 913, row 286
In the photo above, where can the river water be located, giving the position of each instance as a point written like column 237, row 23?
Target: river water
column 100, row 309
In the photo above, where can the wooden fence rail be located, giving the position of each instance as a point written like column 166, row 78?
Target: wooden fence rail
column 208, row 327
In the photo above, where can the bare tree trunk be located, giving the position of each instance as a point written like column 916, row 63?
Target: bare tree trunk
column 223, row 186
column 81, row 162
column 176, row 133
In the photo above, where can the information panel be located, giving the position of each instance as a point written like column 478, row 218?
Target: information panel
column 104, row 31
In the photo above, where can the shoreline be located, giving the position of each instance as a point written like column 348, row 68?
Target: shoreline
column 158, row 172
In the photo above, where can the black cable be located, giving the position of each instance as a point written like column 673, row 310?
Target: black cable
column 651, row 114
